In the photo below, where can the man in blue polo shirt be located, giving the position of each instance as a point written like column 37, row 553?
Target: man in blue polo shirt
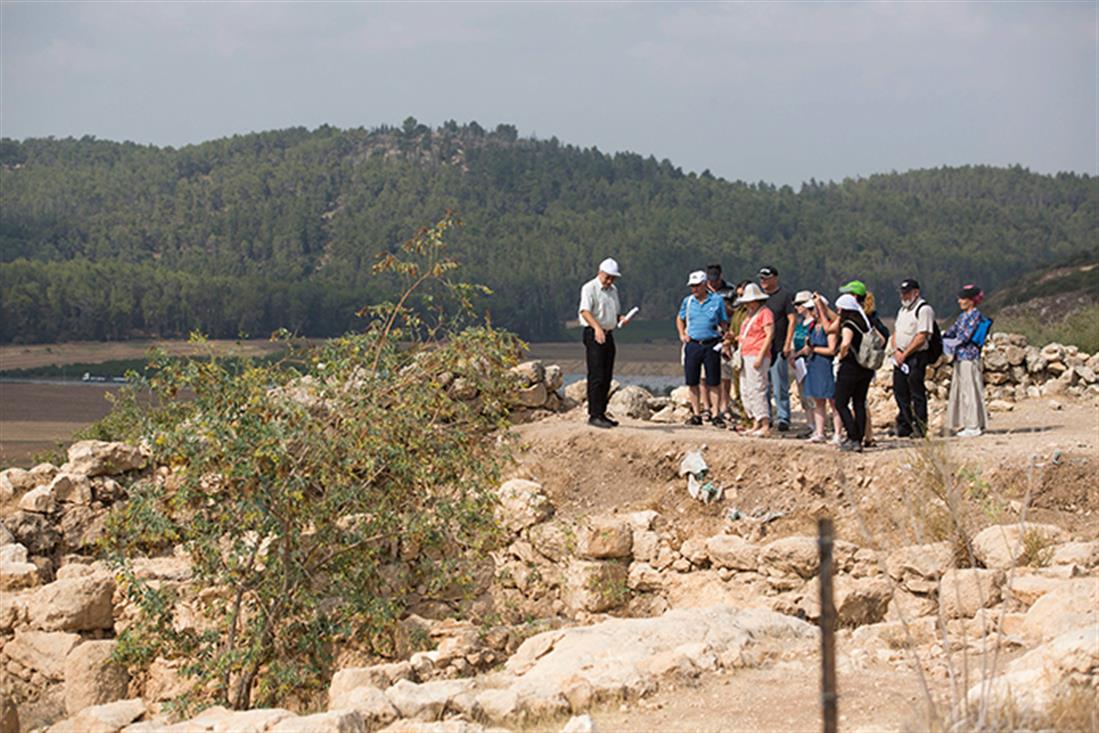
column 701, row 323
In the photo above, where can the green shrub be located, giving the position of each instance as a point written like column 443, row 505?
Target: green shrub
column 315, row 495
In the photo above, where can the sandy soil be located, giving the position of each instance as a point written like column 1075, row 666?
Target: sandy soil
column 780, row 699
column 1053, row 454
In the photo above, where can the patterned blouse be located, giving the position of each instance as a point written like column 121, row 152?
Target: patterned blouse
column 963, row 329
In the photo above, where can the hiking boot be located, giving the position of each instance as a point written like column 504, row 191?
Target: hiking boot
column 611, row 420
column 694, row 420
column 600, row 422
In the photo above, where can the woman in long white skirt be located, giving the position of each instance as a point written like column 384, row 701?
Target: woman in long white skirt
column 965, row 411
column 754, row 347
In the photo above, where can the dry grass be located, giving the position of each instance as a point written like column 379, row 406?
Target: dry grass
column 952, row 503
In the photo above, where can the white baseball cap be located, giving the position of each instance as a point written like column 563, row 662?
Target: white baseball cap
column 610, row 266
column 696, row 278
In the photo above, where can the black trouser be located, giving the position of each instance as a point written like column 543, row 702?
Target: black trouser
column 600, row 358
column 911, row 394
column 852, row 384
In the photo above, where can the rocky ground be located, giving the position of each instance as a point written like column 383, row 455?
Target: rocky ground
column 967, row 587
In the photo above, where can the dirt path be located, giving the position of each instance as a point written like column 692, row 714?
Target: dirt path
column 784, row 698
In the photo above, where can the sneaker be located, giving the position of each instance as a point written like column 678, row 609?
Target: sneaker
column 717, row 421
column 851, row 446
column 970, row 433
column 783, row 427
column 817, row 439
column 694, row 420
column 611, row 420
column 599, row 422
column 836, row 439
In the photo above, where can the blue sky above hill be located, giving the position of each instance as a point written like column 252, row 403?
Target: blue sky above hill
column 780, row 92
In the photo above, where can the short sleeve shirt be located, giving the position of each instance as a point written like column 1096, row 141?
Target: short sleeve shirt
column 753, row 332
column 911, row 320
column 703, row 318
column 601, row 302
column 781, row 305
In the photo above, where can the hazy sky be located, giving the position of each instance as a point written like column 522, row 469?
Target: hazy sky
column 757, row 91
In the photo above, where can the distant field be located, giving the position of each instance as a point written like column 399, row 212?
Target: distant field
column 36, row 417
column 95, row 352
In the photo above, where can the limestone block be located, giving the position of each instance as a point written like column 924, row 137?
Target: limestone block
column 918, row 568
column 337, row 721
column 38, row 500
column 580, row 724
column 529, row 372
column 555, row 378
column 109, row 718
column 72, row 488
column 800, row 555
column 91, row 678
column 379, row 676
column 1002, row 546
column 99, row 458
column 497, row 705
column 643, row 577
column 646, row 545
column 631, row 401
column 553, row 540
column 1071, row 606
column 595, row 586
column 1026, row 589
column 533, row 396
column 17, row 575
column 14, row 481
column 522, row 504
column 730, row 551
column 1084, row 554
column 370, row 702
column 694, row 550
column 857, row 601
column 74, row 604
column 963, row 592
column 605, row 537
column 427, row 701
column 44, row 651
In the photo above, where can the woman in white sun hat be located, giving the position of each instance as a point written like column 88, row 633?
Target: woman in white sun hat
column 820, row 379
column 754, row 348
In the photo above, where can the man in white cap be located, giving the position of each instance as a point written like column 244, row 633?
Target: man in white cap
column 701, row 322
column 601, row 313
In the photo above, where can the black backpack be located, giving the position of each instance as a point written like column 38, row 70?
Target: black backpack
column 935, row 345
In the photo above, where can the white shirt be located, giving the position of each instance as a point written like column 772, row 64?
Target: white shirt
column 601, row 302
column 909, row 323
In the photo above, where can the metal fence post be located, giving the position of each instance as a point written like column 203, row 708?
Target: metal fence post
column 827, row 628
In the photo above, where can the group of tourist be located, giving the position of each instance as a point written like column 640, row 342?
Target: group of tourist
column 741, row 344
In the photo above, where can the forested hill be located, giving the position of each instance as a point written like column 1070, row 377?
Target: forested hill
column 250, row 233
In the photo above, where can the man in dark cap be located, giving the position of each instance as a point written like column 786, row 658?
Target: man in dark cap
column 911, row 338
column 781, row 304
